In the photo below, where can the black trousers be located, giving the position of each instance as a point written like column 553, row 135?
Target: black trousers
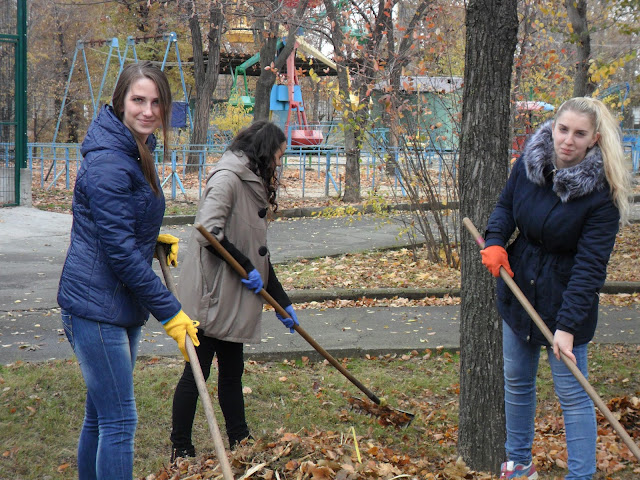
column 185, row 398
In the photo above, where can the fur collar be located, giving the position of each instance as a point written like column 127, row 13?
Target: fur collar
column 568, row 183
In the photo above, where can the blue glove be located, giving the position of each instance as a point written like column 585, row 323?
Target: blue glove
column 289, row 322
column 254, row 282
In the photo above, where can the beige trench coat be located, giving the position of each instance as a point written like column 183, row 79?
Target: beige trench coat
column 235, row 201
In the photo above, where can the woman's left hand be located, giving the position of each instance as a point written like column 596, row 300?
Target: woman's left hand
column 290, row 321
column 563, row 342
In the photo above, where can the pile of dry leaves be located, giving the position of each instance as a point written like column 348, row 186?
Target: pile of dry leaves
column 319, row 455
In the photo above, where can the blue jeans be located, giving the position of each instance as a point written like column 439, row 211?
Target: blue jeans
column 520, row 369
column 106, row 354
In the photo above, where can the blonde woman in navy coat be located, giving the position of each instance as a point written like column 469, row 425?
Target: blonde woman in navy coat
column 566, row 196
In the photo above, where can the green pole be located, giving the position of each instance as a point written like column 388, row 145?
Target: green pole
column 21, row 93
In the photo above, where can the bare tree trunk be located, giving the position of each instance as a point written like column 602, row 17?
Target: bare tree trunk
column 349, row 117
column 492, row 27
column 71, row 113
column 206, row 76
column 267, row 78
column 577, row 11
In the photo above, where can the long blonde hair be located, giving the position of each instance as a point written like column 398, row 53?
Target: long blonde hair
column 610, row 143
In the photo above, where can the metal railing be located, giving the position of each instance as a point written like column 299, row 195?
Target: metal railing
column 53, row 164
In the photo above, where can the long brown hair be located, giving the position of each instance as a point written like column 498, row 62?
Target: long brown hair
column 260, row 142
column 130, row 74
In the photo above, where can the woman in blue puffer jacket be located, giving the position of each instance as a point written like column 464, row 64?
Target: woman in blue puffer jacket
column 566, row 196
column 108, row 287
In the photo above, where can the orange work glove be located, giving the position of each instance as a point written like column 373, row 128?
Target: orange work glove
column 493, row 258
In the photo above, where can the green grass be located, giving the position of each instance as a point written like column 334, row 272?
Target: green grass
column 181, row 208
column 41, row 405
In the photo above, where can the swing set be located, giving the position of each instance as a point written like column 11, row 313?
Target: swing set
column 178, row 108
column 114, row 54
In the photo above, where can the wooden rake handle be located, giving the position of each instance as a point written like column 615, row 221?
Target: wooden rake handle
column 628, row 441
column 199, row 377
column 269, row 299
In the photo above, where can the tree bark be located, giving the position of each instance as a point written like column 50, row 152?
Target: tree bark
column 577, row 12
column 71, row 112
column 206, row 76
column 264, row 84
column 351, row 147
column 491, row 27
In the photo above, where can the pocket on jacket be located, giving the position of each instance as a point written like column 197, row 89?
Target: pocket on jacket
column 116, row 300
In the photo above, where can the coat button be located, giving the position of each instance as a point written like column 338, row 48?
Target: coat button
column 533, row 282
column 262, row 212
column 263, row 251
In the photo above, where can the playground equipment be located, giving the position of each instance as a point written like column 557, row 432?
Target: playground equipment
column 114, row 51
column 241, row 33
column 246, row 100
column 302, row 135
column 288, row 98
column 236, row 98
column 529, row 114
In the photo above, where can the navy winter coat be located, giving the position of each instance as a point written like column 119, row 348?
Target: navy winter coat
column 107, row 275
column 567, row 225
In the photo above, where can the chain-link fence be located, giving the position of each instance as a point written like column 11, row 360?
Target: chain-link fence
column 13, row 138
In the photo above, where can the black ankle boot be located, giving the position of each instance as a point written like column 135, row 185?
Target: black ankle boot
column 182, row 452
column 235, row 443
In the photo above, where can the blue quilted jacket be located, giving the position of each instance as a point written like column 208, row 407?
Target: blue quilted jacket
column 107, row 275
column 567, row 225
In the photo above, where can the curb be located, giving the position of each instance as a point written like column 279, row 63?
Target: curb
column 303, row 212
column 321, row 295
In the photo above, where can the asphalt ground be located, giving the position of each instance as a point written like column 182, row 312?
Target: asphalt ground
column 33, row 245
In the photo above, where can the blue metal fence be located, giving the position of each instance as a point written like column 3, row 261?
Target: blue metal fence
column 631, row 143
column 54, row 163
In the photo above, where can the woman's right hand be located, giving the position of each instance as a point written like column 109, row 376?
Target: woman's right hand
column 494, row 257
column 178, row 327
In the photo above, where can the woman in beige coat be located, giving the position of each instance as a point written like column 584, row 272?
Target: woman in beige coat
column 240, row 191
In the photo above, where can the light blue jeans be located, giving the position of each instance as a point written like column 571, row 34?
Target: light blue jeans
column 106, row 354
column 520, row 370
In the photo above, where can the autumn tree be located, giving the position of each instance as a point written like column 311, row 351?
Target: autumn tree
column 53, row 30
column 614, row 64
column 491, row 33
column 415, row 130
column 577, row 10
column 358, row 58
column 205, row 74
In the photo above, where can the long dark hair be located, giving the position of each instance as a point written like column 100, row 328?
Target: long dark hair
column 130, row 74
column 260, row 142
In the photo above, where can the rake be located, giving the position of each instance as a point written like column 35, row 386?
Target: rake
column 628, row 441
column 221, row 454
column 388, row 415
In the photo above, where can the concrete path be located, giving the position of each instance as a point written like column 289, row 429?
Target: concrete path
column 33, row 245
